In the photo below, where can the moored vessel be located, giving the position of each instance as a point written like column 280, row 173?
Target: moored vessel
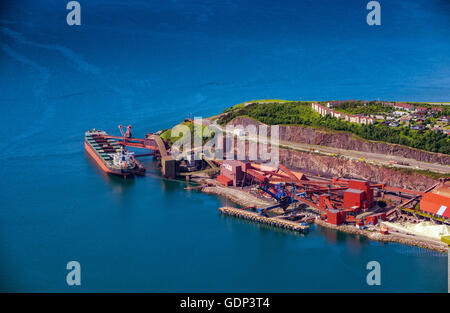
column 110, row 156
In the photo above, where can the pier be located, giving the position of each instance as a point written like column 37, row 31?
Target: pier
column 272, row 221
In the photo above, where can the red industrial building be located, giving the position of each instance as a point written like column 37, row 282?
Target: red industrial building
column 234, row 171
column 367, row 200
column 335, row 217
column 223, row 180
column 359, row 195
column 373, row 219
column 354, row 199
column 437, row 202
column 338, row 200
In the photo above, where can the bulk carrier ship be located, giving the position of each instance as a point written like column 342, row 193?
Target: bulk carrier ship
column 110, row 156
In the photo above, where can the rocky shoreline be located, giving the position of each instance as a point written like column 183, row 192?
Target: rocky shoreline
column 245, row 199
column 403, row 239
column 239, row 197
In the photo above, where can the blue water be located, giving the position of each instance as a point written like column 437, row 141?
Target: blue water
column 151, row 64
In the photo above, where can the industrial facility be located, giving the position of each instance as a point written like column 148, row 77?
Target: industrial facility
column 339, row 200
column 294, row 195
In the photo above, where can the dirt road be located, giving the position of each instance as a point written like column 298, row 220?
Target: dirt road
column 371, row 158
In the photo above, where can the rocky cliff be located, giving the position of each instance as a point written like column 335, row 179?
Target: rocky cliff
column 347, row 141
column 329, row 166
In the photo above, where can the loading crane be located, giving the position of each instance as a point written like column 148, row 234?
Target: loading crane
column 284, row 192
column 277, row 192
column 127, row 133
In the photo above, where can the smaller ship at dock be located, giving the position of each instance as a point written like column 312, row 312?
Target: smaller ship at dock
column 110, row 156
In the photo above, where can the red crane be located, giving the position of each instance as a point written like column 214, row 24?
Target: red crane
column 127, row 133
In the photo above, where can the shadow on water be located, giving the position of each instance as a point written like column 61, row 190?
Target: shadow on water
column 263, row 227
column 334, row 237
column 152, row 171
column 119, row 183
column 167, row 184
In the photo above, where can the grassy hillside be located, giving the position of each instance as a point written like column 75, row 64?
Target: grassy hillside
column 300, row 113
column 243, row 104
column 195, row 132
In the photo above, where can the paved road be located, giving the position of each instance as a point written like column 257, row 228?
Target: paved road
column 371, row 158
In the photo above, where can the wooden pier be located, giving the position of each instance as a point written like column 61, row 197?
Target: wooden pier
column 272, row 221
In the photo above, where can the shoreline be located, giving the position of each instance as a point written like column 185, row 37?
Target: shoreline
column 245, row 199
column 239, row 197
column 406, row 239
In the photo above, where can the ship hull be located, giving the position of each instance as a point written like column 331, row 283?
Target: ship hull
column 100, row 148
column 106, row 152
column 102, row 164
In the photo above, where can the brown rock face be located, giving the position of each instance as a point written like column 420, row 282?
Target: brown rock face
column 346, row 141
column 326, row 166
column 329, row 166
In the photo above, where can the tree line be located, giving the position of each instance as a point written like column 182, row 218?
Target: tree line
column 295, row 113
